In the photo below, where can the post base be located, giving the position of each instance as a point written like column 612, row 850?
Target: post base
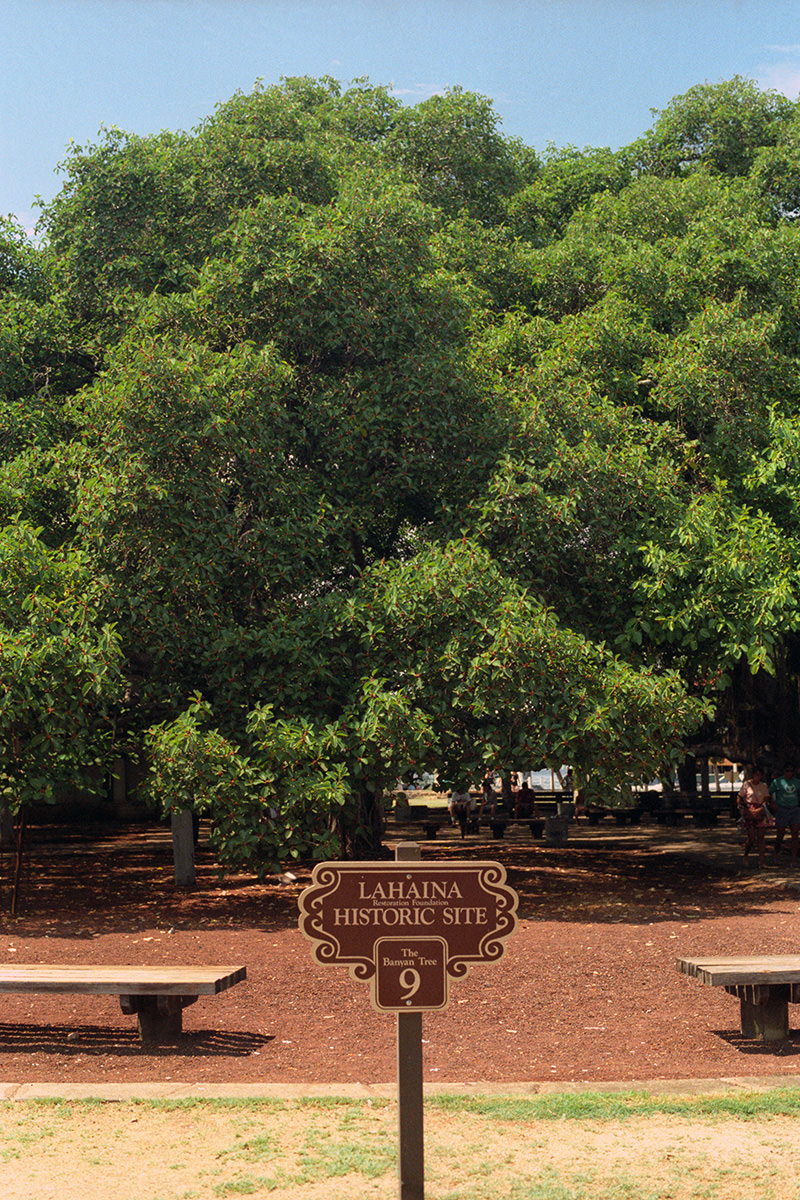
column 160, row 1018
column 764, row 1010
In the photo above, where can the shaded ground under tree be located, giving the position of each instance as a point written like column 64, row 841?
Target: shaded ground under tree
column 587, row 991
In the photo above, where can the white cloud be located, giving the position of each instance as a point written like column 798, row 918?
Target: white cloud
column 420, row 91
column 27, row 220
column 781, row 77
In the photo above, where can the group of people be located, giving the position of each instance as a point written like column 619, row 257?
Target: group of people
column 522, row 802
column 765, row 806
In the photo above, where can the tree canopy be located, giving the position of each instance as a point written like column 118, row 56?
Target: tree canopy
column 381, row 442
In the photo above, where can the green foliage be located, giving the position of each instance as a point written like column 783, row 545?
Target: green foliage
column 716, row 127
column 268, row 806
column 142, row 214
column 500, row 680
column 289, row 421
column 41, row 360
column 665, row 245
column 403, row 448
column 569, row 513
column 180, row 499
column 22, row 269
column 723, row 587
column 718, row 380
column 493, row 267
column 59, row 669
column 568, row 179
column 776, row 170
column 451, row 147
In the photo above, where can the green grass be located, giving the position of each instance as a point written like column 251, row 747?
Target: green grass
column 617, row 1106
column 257, row 1148
column 324, row 1157
column 242, row 1187
column 550, row 1184
column 558, row 1106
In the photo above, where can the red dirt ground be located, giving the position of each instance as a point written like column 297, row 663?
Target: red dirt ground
column 587, row 990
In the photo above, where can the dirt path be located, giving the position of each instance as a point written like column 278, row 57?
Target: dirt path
column 335, row 1152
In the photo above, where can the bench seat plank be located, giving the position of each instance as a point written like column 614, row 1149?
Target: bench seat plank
column 728, row 970
column 156, row 995
column 118, row 980
column 765, row 985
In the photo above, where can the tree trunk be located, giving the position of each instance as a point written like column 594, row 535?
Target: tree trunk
column 687, row 777
column 705, row 786
column 183, row 848
column 363, row 831
column 16, row 882
column 6, row 827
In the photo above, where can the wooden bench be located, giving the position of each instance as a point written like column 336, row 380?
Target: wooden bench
column 431, row 820
column 596, row 813
column 498, row 825
column 703, row 814
column 765, row 985
column 157, row 995
column 466, row 824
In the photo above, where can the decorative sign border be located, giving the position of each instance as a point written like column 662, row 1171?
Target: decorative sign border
column 350, row 906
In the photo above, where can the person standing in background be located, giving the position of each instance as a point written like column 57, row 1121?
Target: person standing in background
column 753, row 805
column 785, row 793
column 488, row 793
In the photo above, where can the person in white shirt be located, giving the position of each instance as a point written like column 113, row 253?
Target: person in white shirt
column 458, row 805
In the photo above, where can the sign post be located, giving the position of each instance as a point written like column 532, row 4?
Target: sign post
column 410, row 1135
column 407, row 928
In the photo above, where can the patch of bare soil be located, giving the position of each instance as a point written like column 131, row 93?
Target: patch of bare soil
column 587, row 991
column 137, row 1152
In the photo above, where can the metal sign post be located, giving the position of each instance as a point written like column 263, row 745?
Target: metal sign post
column 411, row 1137
column 407, row 928
column 411, row 1158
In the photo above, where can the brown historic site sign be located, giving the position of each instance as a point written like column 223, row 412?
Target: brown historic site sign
column 408, row 928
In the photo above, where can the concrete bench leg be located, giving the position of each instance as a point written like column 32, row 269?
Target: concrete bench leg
column 765, row 1012
column 160, row 1017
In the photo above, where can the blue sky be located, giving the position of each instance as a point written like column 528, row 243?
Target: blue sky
column 581, row 72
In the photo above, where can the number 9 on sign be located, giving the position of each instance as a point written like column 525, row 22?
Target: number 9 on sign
column 409, row 979
column 410, row 974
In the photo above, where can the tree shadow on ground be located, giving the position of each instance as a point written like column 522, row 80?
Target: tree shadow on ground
column 122, row 882
column 78, row 890
column 71, row 1041
column 635, row 885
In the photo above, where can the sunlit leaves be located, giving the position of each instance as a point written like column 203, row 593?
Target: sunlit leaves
column 451, row 145
column 60, row 669
column 725, row 586
column 269, row 805
column 716, row 127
